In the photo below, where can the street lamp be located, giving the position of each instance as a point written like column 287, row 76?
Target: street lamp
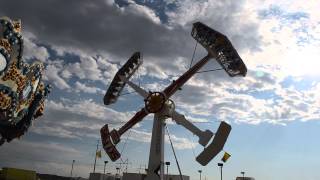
column 72, row 168
column 220, row 165
column 117, row 176
column 104, row 169
column 242, row 175
column 200, row 171
column 118, row 170
column 167, row 164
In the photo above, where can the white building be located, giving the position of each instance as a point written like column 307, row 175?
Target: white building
column 244, row 178
column 137, row 176
column 131, row 176
column 100, row 176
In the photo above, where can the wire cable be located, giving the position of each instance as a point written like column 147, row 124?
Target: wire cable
column 193, row 152
column 139, row 72
column 194, row 52
column 218, row 69
column 174, row 153
column 126, row 141
column 127, row 93
column 122, row 150
column 139, row 82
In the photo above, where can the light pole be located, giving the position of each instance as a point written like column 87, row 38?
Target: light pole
column 167, row 164
column 200, row 171
column 72, row 168
column 104, row 169
column 118, row 170
column 95, row 158
column 242, row 175
column 220, row 165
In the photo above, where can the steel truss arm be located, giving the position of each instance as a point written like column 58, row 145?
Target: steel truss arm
column 110, row 139
column 135, row 87
column 204, row 136
column 173, row 87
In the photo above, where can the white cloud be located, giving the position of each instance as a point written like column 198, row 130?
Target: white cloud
column 259, row 97
column 242, row 99
column 289, row 39
column 227, row 17
column 55, row 131
column 91, row 67
column 178, row 142
column 80, row 87
column 46, row 157
column 270, row 103
column 52, row 74
column 139, row 10
column 87, row 68
column 90, row 109
column 77, row 119
column 34, row 51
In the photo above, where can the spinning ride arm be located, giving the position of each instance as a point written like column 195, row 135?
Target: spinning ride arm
column 137, row 88
column 117, row 84
column 110, row 139
column 217, row 144
column 173, row 87
column 133, row 121
column 204, row 136
column 218, row 47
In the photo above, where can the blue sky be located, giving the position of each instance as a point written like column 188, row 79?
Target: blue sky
column 274, row 111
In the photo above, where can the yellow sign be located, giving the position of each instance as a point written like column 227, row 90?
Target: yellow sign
column 225, row 157
column 98, row 154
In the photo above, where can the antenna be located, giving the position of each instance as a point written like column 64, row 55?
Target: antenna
column 126, row 163
column 159, row 103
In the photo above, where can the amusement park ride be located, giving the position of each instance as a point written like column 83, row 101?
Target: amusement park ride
column 22, row 92
column 159, row 103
